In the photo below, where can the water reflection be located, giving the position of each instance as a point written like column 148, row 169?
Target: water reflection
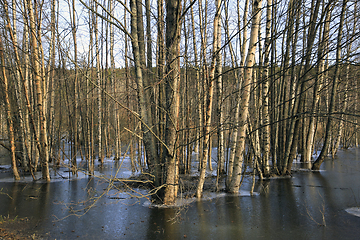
column 285, row 208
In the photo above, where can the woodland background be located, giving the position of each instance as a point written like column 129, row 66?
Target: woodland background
column 261, row 82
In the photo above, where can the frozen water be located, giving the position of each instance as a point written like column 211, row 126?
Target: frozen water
column 354, row 211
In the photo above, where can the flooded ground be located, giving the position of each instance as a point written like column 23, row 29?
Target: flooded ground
column 310, row 205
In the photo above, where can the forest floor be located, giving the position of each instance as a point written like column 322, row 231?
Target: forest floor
column 17, row 229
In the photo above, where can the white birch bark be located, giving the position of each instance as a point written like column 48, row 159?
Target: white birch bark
column 235, row 132
column 9, row 116
column 98, row 82
column 244, row 102
column 43, row 147
column 316, row 165
column 210, row 91
column 265, row 92
column 172, row 91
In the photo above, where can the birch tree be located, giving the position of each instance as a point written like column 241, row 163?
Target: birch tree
column 235, row 133
column 316, row 165
column 265, row 92
column 9, row 115
column 244, row 102
column 172, row 36
column 210, row 91
column 322, row 55
column 43, row 147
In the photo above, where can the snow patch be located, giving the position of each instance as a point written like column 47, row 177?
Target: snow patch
column 353, row 211
column 207, row 196
column 56, row 176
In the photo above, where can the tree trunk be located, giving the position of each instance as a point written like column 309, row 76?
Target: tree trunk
column 265, row 93
column 300, row 101
column 8, row 113
column 220, row 106
column 316, row 165
column 44, row 154
column 148, row 138
column 99, row 84
column 209, row 102
column 75, row 116
column 235, row 133
column 173, row 30
column 322, row 51
column 244, row 104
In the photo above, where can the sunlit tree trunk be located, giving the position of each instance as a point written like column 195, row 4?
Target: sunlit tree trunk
column 220, row 107
column 160, row 68
column 9, row 114
column 316, row 165
column 19, row 106
column 44, row 154
column 114, row 85
column 340, row 130
column 99, row 84
column 202, row 77
column 265, row 93
column 322, row 54
column 148, row 138
column 198, row 87
column 235, row 132
column 210, row 90
column 89, row 114
column 299, row 105
column 349, row 39
column 235, row 75
column 186, row 102
column 173, row 30
column 138, row 45
column 288, row 89
column 75, row 116
column 148, row 38
column 24, row 85
column 29, row 118
column 244, row 102
column 50, row 81
column 19, row 99
column 253, row 123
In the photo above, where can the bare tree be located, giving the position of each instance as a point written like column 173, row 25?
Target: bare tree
column 173, row 30
column 44, row 153
column 210, row 91
column 9, row 114
column 244, row 102
column 316, row 165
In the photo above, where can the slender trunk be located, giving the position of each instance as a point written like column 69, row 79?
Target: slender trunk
column 159, row 167
column 220, row 103
column 148, row 138
column 235, row 133
column 244, row 104
column 18, row 91
column 99, row 84
column 8, row 113
column 173, row 30
column 209, row 101
column 265, row 92
column 44, row 154
column 322, row 54
column 114, row 84
column 148, row 37
column 76, row 90
column 89, row 114
column 51, row 86
column 343, row 109
column 300, row 101
column 325, row 149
